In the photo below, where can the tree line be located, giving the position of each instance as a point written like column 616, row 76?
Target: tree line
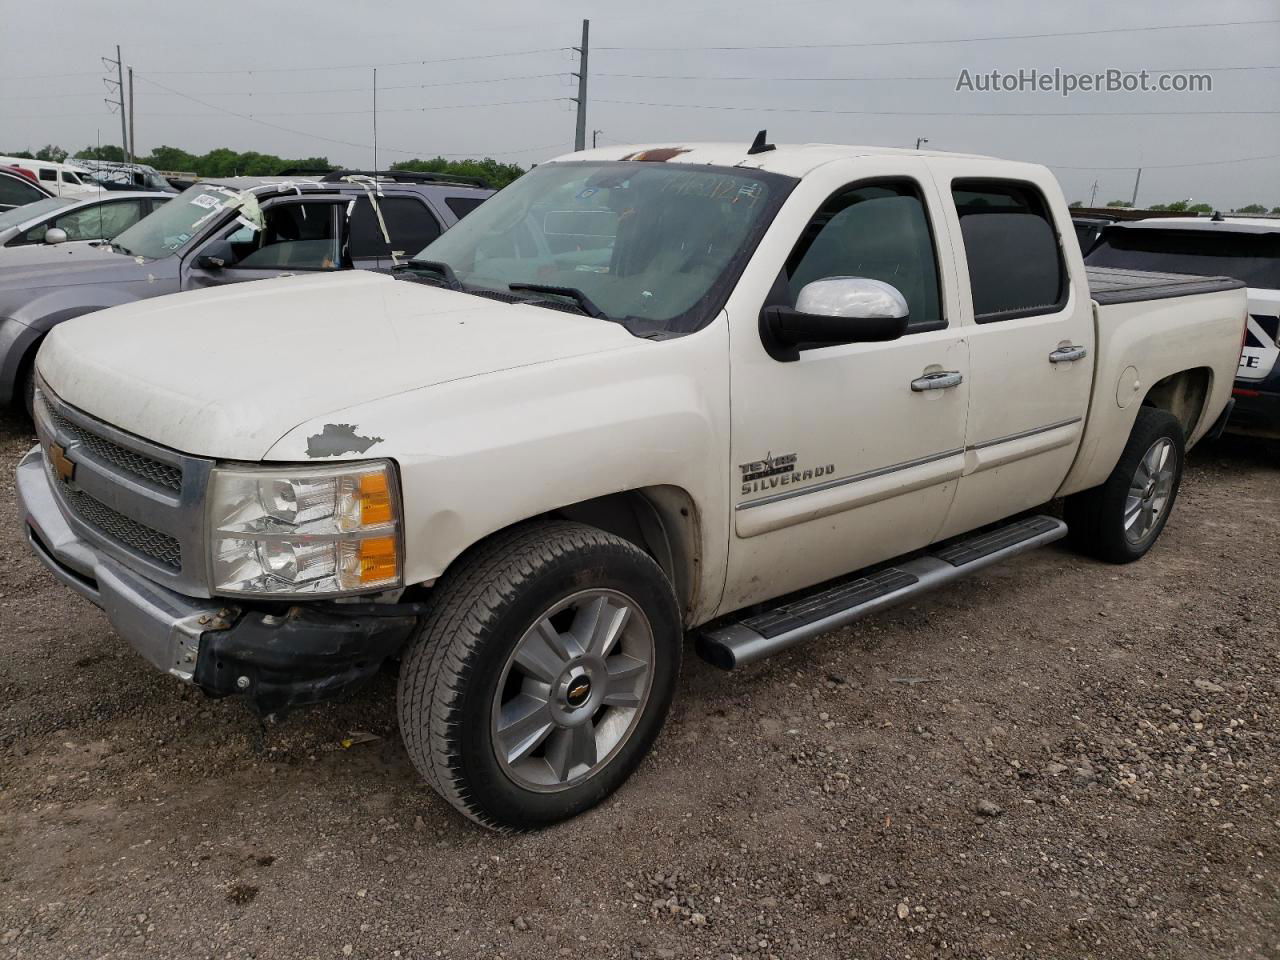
column 225, row 162
column 1184, row 206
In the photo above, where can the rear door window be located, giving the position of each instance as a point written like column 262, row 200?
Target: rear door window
column 47, row 174
column 410, row 225
column 461, row 206
column 1011, row 245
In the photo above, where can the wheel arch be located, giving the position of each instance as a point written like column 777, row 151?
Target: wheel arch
column 664, row 521
column 1184, row 394
column 661, row 520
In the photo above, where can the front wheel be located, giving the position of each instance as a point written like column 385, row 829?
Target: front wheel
column 541, row 675
column 1121, row 520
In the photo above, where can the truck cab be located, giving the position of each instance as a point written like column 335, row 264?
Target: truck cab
column 742, row 393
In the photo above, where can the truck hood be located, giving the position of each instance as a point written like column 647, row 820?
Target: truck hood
column 226, row 372
column 64, row 264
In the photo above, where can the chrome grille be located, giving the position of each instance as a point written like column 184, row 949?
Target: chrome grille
column 134, row 500
column 141, row 466
column 160, row 547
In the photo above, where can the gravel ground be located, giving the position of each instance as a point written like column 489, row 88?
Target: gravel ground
column 1056, row 758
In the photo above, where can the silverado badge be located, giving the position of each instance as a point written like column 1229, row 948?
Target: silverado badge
column 63, row 466
column 777, row 471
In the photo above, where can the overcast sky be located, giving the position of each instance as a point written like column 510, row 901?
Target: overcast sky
column 51, row 90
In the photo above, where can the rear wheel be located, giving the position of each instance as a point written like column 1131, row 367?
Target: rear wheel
column 542, row 674
column 1121, row 520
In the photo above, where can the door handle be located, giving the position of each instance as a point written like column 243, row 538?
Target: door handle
column 1068, row 354
column 941, row 380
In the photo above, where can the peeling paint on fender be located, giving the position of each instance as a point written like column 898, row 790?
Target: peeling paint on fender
column 338, row 438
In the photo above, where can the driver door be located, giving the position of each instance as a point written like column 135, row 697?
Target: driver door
column 843, row 458
column 297, row 235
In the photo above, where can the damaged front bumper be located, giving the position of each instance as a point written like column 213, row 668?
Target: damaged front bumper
column 277, row 655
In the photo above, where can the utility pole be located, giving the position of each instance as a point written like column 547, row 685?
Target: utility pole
column 580, row 136
column 1094, row 194
column 920, row 140
column 133, row 138
column 375, row 120
column 118, row 102
column 595, row 134
column 1136, row 180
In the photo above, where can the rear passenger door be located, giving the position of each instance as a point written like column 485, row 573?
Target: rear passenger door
column 1031, row 340
column 406, row 226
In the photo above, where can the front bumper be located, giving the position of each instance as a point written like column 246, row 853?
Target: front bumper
column 277, row 655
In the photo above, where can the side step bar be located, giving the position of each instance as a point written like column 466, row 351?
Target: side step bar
column 761, row 635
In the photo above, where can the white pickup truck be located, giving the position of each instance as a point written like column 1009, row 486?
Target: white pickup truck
column 749, row 393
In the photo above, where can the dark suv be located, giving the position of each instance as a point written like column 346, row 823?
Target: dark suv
column 225, row 231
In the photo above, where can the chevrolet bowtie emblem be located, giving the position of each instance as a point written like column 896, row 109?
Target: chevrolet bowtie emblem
column 63, row 466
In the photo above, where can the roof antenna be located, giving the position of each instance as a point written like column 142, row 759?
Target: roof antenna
column 1217, row 217
column 759, row 146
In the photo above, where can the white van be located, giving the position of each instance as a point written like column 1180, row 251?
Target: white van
column 62, row 179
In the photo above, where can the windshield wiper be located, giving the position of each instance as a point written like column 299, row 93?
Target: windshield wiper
column 436, row 266
column 585, row 303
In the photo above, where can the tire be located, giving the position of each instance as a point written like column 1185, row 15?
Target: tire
column 500, row 637
column 1121, row 520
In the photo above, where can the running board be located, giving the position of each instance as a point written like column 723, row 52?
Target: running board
column 761, row 635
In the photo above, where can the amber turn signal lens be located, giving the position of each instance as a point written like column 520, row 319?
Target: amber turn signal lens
column 375, row 499
column 377, row 560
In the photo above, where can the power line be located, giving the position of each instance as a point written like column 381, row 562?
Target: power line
column 309, row 91
column 317, row 136
column 947, row 113
column 365, row 66
column 910, row 43
column 763, row 79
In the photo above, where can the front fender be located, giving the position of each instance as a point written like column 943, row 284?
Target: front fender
column 480, row 454
column 17, row 340
column 22, row 332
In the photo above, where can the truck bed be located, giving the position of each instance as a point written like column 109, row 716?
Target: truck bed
column 1112, row 285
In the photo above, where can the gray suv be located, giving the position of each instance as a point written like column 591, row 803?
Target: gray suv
column 219, row 232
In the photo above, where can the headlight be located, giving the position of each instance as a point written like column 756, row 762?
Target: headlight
column 297, row 531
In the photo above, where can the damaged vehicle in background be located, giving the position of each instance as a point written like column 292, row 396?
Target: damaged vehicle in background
column 748, row 392
column 1246, row 248
column 221, row 232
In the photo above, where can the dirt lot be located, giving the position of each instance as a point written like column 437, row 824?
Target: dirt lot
column 1083, row 764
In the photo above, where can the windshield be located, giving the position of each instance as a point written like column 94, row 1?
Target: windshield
column 1251, row 257
column 650, row 242
column 30, row 211
column 175, row 224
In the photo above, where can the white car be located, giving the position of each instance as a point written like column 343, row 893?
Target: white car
column 60, row 179
column 68, row 220
column 741, row 392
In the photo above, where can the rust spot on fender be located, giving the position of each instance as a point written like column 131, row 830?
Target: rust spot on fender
column 657, row 155
column 336, row 439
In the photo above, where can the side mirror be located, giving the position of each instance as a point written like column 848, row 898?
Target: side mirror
column 834, row 311
column 213, row 264
column 55, row 235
